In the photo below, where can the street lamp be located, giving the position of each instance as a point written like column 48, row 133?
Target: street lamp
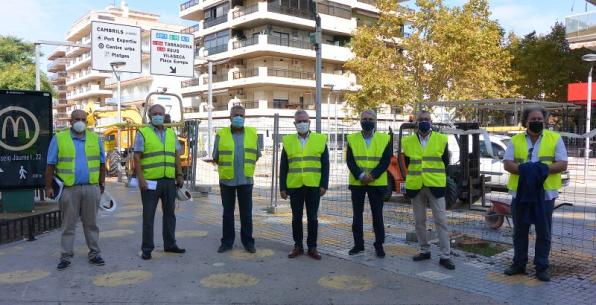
column 316, row 40
column 115, row 65
column 591, row 58
column 209, row 100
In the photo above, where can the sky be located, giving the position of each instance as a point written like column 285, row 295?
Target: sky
column 50, row 19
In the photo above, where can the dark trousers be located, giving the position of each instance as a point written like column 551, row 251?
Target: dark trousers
column 375, row 197
column 309, row 197
column 543, row 238
column 166, row 191
column 228, row 199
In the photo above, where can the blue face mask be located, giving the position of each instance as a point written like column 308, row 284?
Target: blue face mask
column 424, row 126
column 157, row 120
column 237, row 121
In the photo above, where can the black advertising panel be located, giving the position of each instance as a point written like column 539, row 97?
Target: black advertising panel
column 25, row 134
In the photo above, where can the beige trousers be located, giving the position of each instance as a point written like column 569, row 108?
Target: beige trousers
column 80, row 201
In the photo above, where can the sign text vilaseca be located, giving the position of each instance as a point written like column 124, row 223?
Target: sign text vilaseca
column 25, row 134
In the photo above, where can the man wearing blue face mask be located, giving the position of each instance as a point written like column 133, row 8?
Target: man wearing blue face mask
column 157, row 160
column 304, row 176
column 427, row 158
column 368, row 156
column 76, row 156
column 236, row 153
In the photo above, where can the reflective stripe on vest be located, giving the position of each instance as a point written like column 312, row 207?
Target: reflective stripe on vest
column 426, row 166
column 304, row 164
column 65, row 169
column 368, row 157
column 546, row 155
column 226, row 149
column 159, row 159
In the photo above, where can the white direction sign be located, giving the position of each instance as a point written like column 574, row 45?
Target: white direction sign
column 172, row 53
column 112, row 43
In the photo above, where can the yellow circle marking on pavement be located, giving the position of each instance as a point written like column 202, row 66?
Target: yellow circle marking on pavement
column 115, row 233
column 229, row 280
column 346, row 282
column 512, row 280
column 126, row 222
column 129, row 214
column 122, row 278
column 196, row 233
column 21, row 276
column 400, row 250
column 11, row 250
column 243, row 255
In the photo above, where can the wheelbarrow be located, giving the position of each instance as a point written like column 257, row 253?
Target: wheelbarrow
column 501, row 211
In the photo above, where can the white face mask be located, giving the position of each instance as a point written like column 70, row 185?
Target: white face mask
column 79, row 126
column 303, row 127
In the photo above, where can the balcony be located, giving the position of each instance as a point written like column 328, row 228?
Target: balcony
column 58, row 78
column 207, row 23
column 76, row 51
column 190, row 83
column 371, row 2
column 217, row 50
column 246, row 73
column 192, row 29
column 79, row 62
column 89, row 91
column 188, row 4
column 246, row 11
column 275, row 45
column 280, row 9
column 57, row 65
column 581, row 30
column 85, row 76
column 217, row 78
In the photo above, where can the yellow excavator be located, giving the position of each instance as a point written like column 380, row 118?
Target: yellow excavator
column 131, row 119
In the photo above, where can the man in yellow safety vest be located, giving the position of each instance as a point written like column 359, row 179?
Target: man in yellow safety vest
column 534, row 149
column 236, row 153
column 159, row 173
column 368, row 156
column 427, row 158
column 76, row 157
column 304, row 176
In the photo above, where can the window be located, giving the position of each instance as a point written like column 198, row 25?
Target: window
column 282, row 39
column 498, row 151
column 280, row 104
column 217, row 42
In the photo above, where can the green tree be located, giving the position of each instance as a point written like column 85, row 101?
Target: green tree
column 543, row 65
column 452, row 53
column 17, row 65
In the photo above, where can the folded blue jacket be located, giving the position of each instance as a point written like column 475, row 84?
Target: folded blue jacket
column 529, row 200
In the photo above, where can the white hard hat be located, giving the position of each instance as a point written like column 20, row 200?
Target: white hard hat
column 107, row 203
column 183, row 194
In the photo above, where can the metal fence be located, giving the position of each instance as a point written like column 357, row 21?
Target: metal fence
column 574, row 227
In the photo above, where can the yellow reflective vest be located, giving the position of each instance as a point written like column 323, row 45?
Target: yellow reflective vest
column 368, row 157
column 304, row 164
column 65, row 168
column 426, row 166
column 226, row 150
column 546, row 155
column 159, row 159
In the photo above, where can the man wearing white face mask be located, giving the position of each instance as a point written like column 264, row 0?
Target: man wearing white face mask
column 76, row 156
column 304, row 175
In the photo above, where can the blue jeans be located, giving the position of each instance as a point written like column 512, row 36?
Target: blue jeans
column 543, row 238
column 228, row 199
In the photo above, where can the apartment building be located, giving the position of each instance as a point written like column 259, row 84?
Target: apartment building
column 580, row 28
column 264, row 60
column 92, row 90
column 57, row 76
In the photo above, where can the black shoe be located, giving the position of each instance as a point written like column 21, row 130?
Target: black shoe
column 447, row 263
column 356, row 250
column 379, row 251
column 97, row 261
column 223, row 249
column 146, row 255
column 421, row 256
column 63, row 265
column 250, row 249
column 174, row 249
column 543, row 276
column 513, row 270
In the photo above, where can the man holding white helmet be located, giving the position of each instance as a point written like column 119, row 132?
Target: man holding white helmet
column 76, row 156
column 304, row 176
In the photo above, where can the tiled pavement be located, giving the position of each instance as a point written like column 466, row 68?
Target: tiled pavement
column 573, row 283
